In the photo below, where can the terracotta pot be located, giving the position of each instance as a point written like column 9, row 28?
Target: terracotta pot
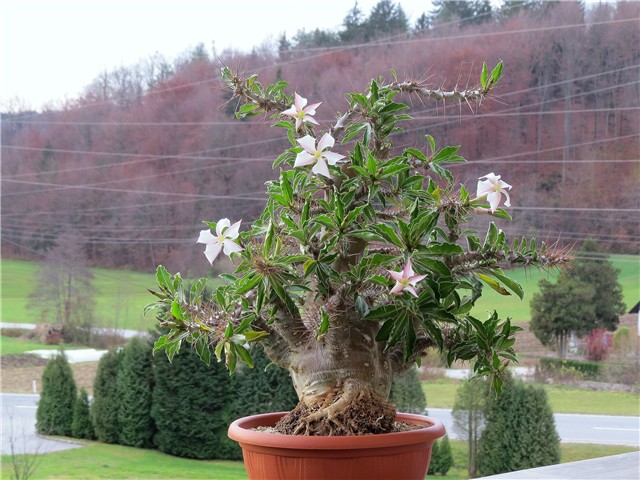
column 398, row 456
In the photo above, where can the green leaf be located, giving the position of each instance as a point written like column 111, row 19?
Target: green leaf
column 248, row 107
column 493, row 284
column 392, row 107
column 445, row 154
column 383, row 312
column 416, row 153
column 432, row 143
column 492, row 235
column 385, row 330
column 252, row 335
column 228, row 333
column 176, row 310
column 202, row 349
column 444, row 248
column 324, row 323
column 244, row 355
column 388, row 233
column 483, row 75
column 496, row 73
column 160, row 344
column 197, row 288
column 163, row 277
column 511, row 284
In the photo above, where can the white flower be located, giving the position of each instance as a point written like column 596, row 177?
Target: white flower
column 300, row 112
column 311, row 154
column 405, row 280
column 493, row 188
column 223, row 240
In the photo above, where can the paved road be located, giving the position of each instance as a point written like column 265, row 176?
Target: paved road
column 19, row 427
column 19, row 414
column 574, row 428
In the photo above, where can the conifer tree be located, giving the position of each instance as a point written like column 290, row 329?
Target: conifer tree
column 262, row 389
column 134, row 388
column 81, row 426
column 407, row 393
column 55, row 407
column 106, row 401
column 520, row 431
column 441, row 457
column 189, row 398
column 445, row 456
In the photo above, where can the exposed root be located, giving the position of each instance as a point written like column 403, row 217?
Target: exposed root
column 342, row 412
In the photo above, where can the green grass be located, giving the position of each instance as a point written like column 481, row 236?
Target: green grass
column 122, row 294
column 512, row 306
column 598, row 402
column 442, row 393
column 114, row 461
column 18, row 346
column 120, row 300
column 98, row 461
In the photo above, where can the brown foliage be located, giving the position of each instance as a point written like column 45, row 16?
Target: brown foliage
column 146, row 154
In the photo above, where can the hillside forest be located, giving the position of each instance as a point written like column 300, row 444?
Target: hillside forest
column 148, row 151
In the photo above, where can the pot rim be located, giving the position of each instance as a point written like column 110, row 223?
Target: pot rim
column 241, row 430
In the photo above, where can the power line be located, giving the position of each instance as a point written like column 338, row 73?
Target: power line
column 376, row 43
column 252, row 123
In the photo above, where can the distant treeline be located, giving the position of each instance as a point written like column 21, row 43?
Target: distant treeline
column 148, row 151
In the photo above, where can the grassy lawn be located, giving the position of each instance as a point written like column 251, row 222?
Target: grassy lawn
column 97, row 461
column 442, row 392
column 114, row 461
column 122, row 294
column 512, row 306
column 120, row 300
column 18, row 346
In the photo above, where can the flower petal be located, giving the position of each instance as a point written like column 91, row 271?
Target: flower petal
column 231, row 246
column 484, row 187
column 212, row 251
column 507, row 202
column 299, row 102
column 233, row 231
column 292, row 112
column 397, row 289
column 408, row 270
column 308, row 143
column 332, row 157
column 504, row 185
column 205, row 237
column 311, row 109
column 304, row 158
column 415, row 279
column 411, row 290
column 321, row 168
column 326, row 141
column 494, row 201
column 221, row 225
column 309, row 119
column 397, row 276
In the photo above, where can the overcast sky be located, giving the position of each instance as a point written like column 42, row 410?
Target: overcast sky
column 52, row 49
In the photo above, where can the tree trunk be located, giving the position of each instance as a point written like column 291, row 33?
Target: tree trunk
column 343, row 380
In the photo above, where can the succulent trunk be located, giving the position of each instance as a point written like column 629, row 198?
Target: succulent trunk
column 343, row 379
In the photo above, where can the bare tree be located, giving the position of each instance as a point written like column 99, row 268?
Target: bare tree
column 24, row 460
column 64, row 291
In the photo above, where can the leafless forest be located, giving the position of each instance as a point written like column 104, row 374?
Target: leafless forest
column 147, row 152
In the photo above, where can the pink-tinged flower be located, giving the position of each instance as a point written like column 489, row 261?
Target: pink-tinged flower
column 319, row 156
column 301, row 112
column 493, row 188
column 223, row 239
column 405, row 280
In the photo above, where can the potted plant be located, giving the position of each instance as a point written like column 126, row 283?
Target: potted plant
column 359, row 263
